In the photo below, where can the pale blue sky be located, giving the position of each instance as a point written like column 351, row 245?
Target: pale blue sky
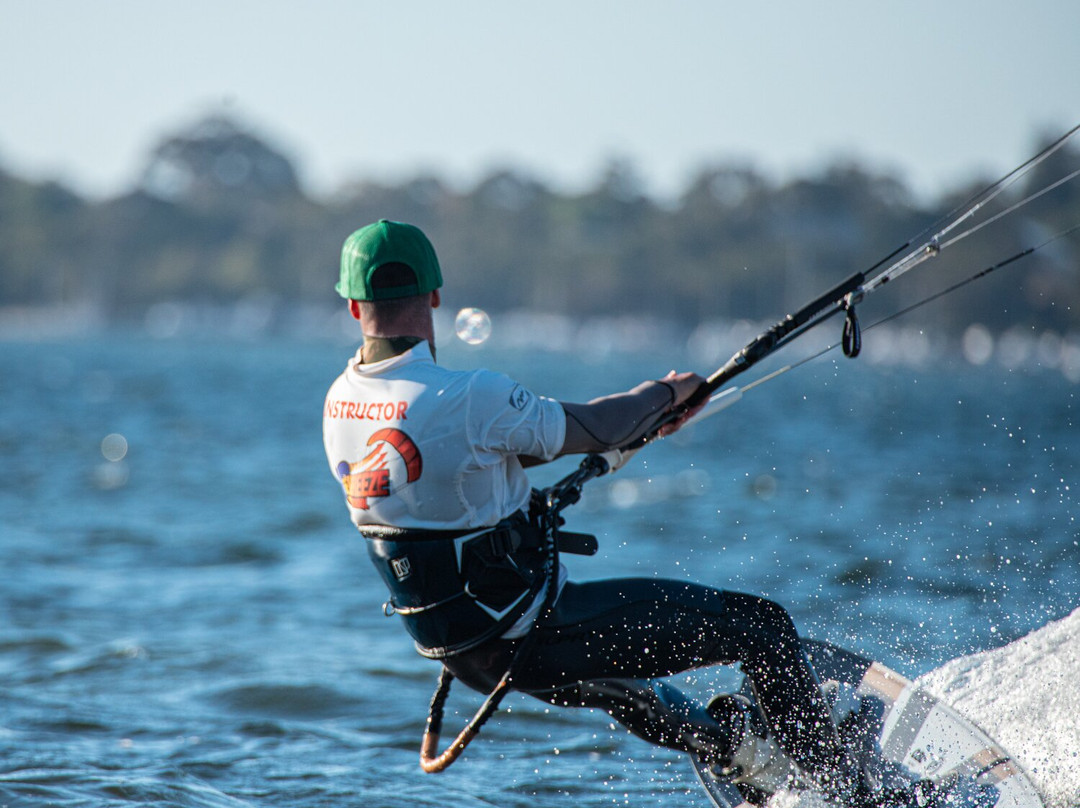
column 934, row 90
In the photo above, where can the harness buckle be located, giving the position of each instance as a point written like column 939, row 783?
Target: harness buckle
column 504, row 541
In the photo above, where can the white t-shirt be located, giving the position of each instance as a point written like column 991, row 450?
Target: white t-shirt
column 415, row 445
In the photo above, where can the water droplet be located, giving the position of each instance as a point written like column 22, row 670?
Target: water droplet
column 472, row 326
column 114, row 447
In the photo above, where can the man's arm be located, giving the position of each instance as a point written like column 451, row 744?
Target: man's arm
column 614, row 421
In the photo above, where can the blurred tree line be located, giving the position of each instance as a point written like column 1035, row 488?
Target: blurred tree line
column 220, row 215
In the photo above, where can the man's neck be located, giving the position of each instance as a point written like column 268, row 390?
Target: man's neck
column 376, row 349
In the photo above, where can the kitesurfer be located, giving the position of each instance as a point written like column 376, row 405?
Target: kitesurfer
column 434, row 479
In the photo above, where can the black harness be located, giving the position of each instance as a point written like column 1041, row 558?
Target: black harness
column 456, row 589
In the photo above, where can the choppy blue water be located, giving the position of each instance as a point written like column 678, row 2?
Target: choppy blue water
column 196, row 623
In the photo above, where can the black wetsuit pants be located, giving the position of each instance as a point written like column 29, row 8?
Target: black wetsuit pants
column 605, row 641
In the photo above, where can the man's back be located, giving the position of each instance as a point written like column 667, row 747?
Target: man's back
column 419, row 446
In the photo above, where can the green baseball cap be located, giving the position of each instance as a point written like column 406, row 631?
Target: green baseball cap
column 385, row 242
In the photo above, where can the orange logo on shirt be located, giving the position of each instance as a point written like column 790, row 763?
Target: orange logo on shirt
column 393, row 455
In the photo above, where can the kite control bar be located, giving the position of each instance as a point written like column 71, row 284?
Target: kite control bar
column 841, row 298
column 844, row 296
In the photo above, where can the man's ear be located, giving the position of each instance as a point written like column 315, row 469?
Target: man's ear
column 436, row 300
column 354, row 309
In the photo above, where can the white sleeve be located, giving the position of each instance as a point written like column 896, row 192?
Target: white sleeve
column 506, row 418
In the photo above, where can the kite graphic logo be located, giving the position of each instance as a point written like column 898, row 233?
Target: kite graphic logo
column 519, row 397
column 392, row 462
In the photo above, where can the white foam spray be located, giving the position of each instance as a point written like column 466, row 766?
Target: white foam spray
column 1026, row 696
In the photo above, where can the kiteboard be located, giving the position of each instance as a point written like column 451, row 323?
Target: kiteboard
column 900, row 733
